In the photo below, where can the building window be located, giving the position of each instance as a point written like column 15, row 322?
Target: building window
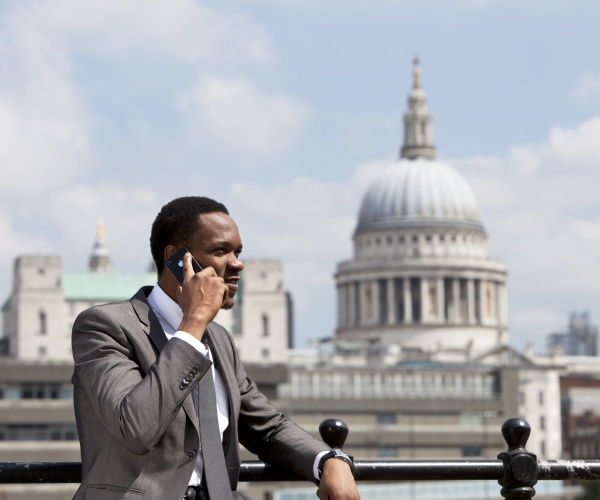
column 542, row 423
column 265, row 353
column 386, row 418
column 44, row 391
column 543, row 447
column 41, row 432
column 541, row 396
column 265, row 325
column 471, row 451
column 42, row 351
column 42, row 318
column 387, row 451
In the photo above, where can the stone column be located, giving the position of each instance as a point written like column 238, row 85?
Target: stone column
column 456, row 301
column 471, row 301
column 503, row 315
column 440, row 299
column 391, row 302
column 407, row 300
column 353, row 303
column 364, row 317
column 482, row 311
column 342, row 306
column 423, row 283
column 375, row 299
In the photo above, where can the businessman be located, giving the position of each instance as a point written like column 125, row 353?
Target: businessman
column 161, row 397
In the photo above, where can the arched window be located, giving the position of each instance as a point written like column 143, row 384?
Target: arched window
column 42, row 318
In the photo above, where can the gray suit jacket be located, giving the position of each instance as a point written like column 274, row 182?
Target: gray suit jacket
column 136, row 419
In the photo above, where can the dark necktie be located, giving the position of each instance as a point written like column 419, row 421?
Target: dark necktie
column 215, row 470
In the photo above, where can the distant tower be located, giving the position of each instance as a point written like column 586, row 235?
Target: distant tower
column 581, row 339
column 421, row 277
column 100, row 258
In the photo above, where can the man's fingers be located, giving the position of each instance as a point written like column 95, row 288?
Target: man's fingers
column 188, row 270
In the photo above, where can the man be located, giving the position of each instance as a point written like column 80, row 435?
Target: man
column 156, row 381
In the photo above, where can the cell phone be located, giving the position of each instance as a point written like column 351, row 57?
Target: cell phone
column 175, row 264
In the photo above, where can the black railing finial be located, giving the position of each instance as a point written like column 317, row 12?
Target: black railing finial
column 334, row 432
column 520, row 465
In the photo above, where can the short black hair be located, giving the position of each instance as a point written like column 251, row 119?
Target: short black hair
column 176, row 222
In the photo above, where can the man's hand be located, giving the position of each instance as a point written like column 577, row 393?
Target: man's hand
column 200, row 297
column 337, row 482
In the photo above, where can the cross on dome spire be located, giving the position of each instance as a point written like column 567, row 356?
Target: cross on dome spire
column 416, row 73
column 418, row 136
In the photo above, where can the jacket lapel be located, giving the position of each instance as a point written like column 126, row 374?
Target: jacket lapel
column 155, row 332
column 148, row 319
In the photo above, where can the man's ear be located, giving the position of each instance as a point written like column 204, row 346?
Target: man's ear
column 168, row 251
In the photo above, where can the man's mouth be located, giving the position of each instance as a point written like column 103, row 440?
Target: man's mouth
column 232, row 282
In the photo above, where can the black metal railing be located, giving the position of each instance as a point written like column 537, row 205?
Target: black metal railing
column 516, row 470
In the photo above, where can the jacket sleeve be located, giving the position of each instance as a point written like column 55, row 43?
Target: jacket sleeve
column 135, row 403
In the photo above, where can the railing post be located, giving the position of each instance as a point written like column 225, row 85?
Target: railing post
column 520, row 465
column 334, row 432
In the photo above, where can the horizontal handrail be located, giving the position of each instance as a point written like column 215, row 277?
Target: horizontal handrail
column 365, row 470
column 517, row 470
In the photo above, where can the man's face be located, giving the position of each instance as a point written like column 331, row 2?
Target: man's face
column 218, row 244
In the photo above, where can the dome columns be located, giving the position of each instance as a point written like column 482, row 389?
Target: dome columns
column 371, row 302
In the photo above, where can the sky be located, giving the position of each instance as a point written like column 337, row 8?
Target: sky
column 286, row 111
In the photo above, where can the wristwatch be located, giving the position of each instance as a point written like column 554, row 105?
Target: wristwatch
column 340, row 455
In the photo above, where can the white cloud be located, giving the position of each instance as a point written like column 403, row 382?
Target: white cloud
column 587, row 88
column 46, row 118
column 181, row 29
column 17, row 242
column 233, row 115
column 586, row 230
column 544, row 317
column 43, row 121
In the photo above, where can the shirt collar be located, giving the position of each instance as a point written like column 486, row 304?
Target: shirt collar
column 165, row 306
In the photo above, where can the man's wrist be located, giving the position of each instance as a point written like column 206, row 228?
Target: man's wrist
column 338, row 455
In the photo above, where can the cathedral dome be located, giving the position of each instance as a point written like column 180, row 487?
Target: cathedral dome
column 419, row 192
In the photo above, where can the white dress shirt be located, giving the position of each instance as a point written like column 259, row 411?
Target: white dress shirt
column 170, row 316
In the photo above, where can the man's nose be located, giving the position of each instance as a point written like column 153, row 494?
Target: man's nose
column 236, row 264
